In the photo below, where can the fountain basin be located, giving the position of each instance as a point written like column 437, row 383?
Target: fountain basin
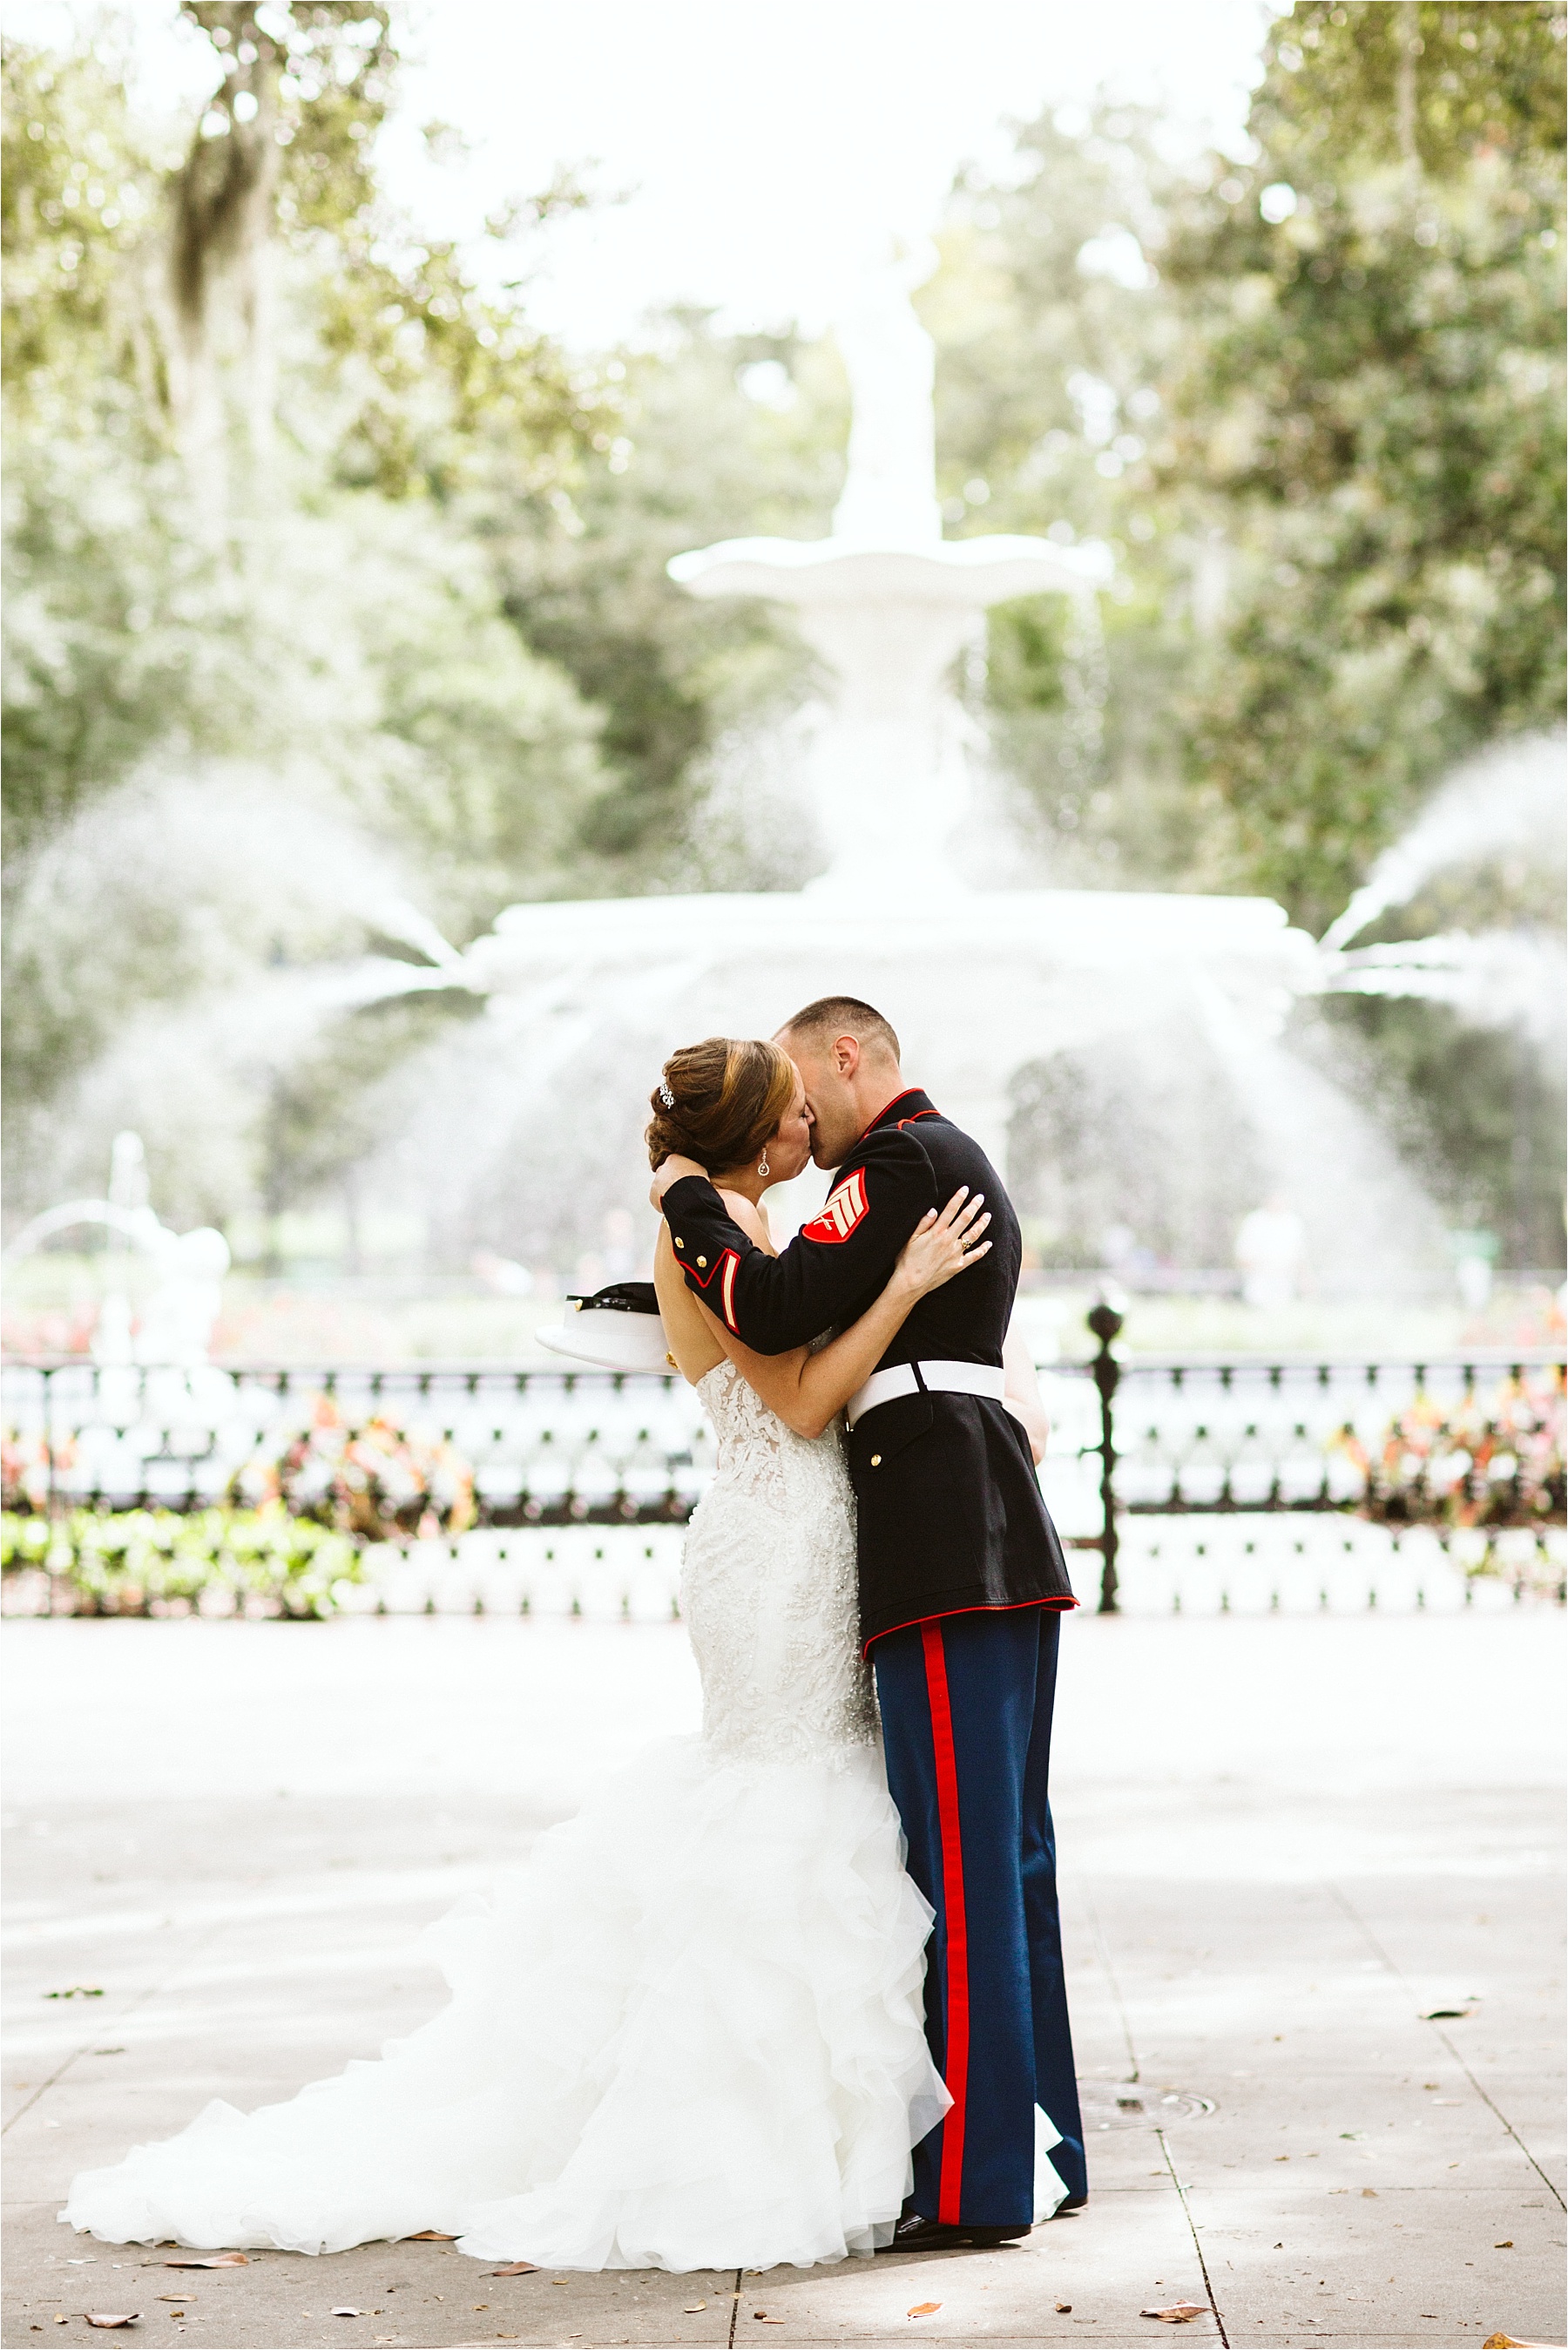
column 978, row 982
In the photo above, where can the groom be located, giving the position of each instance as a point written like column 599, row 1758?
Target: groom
column 962, row 1587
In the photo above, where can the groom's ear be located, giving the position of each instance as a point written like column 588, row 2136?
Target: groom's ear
column 847, row 1055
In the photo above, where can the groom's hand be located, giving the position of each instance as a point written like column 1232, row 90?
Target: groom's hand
column 674, row 1169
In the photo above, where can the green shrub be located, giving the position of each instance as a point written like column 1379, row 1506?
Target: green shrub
column 217, row 1562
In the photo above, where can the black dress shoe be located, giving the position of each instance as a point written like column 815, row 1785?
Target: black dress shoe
column 1069, row 2203
column 914, row 2233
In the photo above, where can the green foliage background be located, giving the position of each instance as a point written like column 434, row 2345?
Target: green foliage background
column 288, row 498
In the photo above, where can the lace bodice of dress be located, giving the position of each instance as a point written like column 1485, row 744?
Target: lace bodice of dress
column 769, row 1588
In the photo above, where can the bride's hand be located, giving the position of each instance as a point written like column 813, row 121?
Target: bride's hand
column 941, row 1246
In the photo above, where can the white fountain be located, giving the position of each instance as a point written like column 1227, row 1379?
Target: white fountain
column 177, row 1318
column 977, row 981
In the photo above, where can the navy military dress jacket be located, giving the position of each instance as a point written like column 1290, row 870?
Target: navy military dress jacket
column 950, row 1509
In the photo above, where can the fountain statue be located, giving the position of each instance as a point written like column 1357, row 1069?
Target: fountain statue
column 890, row 493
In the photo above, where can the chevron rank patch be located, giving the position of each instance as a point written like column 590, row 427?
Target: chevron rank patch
column 844, row 1210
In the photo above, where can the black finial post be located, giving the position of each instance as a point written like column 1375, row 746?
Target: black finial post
column 1106, row 1322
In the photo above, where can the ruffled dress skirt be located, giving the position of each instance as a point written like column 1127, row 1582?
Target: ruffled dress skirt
column 687, row 2034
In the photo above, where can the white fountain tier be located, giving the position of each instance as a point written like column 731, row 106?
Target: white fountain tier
column 977, row 983
column 886, row 777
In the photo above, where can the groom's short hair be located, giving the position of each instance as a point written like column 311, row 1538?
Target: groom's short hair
column 842, row 1015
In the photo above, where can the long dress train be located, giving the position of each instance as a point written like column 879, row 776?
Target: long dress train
column 688, row 2032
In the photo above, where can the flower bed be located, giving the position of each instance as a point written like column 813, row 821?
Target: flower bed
column 372, row 1479
column 1487, row 1463
column 219, row 1561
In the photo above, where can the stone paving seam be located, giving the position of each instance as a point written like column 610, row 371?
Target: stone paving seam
column 1548, row 2183
column 1401, row 1978
column 1103, row 1950
column 1197, row 2240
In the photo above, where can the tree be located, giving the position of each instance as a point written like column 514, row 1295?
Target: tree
column 151, row 595
column 1372, row 408
column 201, row 574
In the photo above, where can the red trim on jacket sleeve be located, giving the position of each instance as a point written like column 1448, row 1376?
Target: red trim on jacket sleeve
column 724, row 1273
column 950, row 2192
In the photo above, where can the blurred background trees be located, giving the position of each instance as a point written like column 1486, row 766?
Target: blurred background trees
column 314, row 549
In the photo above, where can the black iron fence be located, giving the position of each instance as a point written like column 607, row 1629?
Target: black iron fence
column 422, row 1449
column 1473, row 1443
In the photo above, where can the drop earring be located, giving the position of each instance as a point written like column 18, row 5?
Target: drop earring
column 762, row 1161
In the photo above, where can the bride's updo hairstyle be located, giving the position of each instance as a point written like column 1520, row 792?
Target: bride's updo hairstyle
column 728, row 1094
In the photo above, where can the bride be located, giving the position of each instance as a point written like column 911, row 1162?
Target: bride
column 689, row 2033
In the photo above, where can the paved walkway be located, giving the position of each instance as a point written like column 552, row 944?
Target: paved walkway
column 1285, row 1844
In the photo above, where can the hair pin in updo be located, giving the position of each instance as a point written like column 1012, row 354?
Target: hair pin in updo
column 665, row 1096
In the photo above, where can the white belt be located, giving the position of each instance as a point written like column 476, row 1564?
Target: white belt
column 943, row 1379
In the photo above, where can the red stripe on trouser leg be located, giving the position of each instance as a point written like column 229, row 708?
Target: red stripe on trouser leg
column 950, row 2190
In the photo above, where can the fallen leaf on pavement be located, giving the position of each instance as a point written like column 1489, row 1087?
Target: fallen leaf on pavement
column 102, row 2319
column 345, row 2313
column 1063, row 2309
column 691, row 2308
column 1506, row 2342
column 1353, row 2133
column 1180, row 2313
column 1370, row 2190
column 516, row 2268
column 82, row 1990
column 1506, row 2245
column 1444, row 2014
column 209, row 2261
column 430, row 2236
column 924, row 2309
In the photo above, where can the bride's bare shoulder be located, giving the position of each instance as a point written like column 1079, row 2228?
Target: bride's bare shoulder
column 750, row 1217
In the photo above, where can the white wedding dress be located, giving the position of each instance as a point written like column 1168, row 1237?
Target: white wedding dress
column 688, row 2035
